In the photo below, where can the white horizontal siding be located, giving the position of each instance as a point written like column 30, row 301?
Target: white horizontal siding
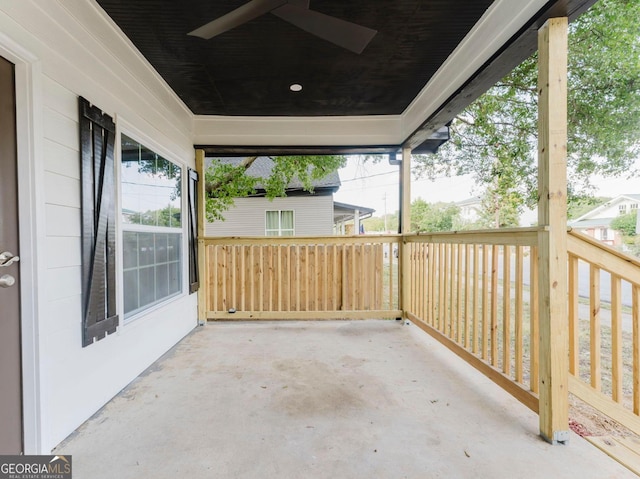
column 95, row 61
column 313, row 216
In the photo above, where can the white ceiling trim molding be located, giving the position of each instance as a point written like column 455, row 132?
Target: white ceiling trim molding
column 297, row 131
column 501, row 21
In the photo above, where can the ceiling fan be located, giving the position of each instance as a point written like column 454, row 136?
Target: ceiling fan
column 340, row 32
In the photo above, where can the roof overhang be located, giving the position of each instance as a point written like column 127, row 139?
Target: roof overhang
column 499, row 40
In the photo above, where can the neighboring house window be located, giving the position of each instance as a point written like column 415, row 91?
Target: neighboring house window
column 634, row 206
column 604, row 234
column 622, row 209
column 152, row 227
column 279, row 223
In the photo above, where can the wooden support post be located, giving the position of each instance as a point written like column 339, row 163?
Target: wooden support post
column 552, row 239
column 203, row 291
column 405, row 228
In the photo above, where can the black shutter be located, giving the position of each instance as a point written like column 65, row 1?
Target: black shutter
column 194, row 283
column 97, row 138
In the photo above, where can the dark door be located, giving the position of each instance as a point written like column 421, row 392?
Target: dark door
column 10, row 361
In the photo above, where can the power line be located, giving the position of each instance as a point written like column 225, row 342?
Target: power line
column 370, row 176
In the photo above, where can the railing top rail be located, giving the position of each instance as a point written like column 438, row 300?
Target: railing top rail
column 509, row 236
column 604, row 257
column 300, row 240
column 605, row 247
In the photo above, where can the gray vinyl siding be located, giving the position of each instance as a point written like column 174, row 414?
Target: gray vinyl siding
column 313, row 216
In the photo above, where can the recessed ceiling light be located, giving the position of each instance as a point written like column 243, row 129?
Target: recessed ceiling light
column 295, row 87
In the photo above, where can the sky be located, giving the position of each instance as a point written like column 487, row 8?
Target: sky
column 376, row 186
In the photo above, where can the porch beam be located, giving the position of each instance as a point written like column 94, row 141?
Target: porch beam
column 405, row 229
column 203, row 290
column 552, row 238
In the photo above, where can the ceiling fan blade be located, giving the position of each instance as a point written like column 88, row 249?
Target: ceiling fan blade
column 235, row 18
column 340, row 32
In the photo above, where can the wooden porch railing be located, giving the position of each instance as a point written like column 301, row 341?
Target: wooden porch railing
column 474, row 291
column 331, row 277
column 604, row 336
column 469, row 290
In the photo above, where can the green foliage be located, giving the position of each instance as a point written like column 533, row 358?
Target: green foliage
column 434, row 216
column 583, row 204
column 169, row 217
column 500, row 209
column 377, row 223
column 626, row 224
column 495, row 138
column 226, row 182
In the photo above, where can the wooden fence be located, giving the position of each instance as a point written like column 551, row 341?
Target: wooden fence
column 604, row 329
column 469, row 290
column 301, row 277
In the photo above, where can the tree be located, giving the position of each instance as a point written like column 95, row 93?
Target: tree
column 499, row 209
column 377, row 223
column 495, row 138
column 224, row 181
column 626, row 224
column 434, row 216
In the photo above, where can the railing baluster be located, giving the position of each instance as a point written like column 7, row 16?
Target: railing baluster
column 476, row 296
column 616, row 338
column 441, row 288
column 447, row 285
column 261, row 273
column 534, row 349
column 485, row 302
column 494, row 305
column 574, row 331
column 595, row 330
column 452, row 290
column 225, row 275
column 635, row 321
column 459, row 336
column 506, row 310
column 518, row 315
column 467, row 285
column 213, row 273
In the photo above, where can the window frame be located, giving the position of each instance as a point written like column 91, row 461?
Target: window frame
column 280, row 229
column 125, row 128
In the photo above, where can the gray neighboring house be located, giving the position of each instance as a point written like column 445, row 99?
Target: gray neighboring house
column 300, row 213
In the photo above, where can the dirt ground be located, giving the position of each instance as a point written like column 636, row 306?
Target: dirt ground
column 587, row 421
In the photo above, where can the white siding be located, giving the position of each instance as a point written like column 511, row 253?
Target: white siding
column 97, row 63
column 313, row 216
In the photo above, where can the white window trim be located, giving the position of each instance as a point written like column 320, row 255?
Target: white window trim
column 280, row 221
column 123, row 127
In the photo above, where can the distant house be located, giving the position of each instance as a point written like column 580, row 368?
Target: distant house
column 470, row 209
column 597, row 222
column 300, row 213
column 347, row 218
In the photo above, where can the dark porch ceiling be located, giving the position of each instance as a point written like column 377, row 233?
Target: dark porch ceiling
column 247, row 70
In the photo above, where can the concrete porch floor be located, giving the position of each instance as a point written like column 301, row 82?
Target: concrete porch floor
column 365, row 399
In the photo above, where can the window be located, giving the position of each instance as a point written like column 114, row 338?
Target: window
column 634, row 206
column 279, row 223
column 152, row 227
column 622, row 209
column 604, row 234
